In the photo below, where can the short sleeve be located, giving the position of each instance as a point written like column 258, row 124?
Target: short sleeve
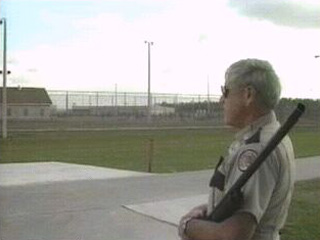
column 259, row 188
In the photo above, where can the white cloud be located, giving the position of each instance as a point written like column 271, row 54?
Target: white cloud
column 293, row 13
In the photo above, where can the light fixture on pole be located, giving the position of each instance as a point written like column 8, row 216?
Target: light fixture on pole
column 149, row 81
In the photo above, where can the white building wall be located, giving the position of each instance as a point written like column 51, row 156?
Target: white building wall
column 27, row 112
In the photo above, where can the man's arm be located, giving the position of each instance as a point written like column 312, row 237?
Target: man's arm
column 239, row 226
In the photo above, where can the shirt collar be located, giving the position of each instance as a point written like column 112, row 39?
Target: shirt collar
column 248, row 131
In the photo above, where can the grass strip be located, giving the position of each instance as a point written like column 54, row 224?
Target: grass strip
column 303, row 219
column 174, row 150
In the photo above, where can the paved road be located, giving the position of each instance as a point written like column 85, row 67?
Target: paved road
column 93, row 208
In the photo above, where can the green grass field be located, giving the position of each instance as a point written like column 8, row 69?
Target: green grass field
column 174, row 149
column 303, row 219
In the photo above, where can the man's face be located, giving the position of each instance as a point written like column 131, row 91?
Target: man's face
column 233, row 100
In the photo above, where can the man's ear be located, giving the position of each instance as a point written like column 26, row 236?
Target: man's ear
column 250, row 95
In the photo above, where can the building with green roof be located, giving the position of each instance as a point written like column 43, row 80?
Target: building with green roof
column 27, row 103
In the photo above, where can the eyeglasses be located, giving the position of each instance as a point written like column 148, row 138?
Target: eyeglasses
column 225, row 91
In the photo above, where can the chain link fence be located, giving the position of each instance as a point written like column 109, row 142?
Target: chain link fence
column 77, row 110
column 88, row 110
column 69, row 103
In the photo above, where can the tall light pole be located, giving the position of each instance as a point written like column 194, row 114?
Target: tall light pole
column 149, row 81
column 4, row 75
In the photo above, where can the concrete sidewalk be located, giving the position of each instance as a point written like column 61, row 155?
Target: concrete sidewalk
column 74, row 202
column 19, row 174
column 170, row 211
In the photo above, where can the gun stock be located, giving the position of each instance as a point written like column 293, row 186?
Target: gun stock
column 233, row 199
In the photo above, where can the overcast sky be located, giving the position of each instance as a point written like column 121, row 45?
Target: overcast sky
column 95, row 45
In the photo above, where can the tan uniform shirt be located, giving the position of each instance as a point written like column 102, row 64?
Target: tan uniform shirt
column 267, row 194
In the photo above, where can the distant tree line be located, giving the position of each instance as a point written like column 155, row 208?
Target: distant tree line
column 214, row 109
column 311, row 115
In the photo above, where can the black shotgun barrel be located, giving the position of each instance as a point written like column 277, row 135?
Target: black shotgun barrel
column 233, row 198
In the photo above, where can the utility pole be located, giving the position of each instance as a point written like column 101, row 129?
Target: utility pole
column 4, row 73
column 208, row 96
column 116, row 99
column 149, row 82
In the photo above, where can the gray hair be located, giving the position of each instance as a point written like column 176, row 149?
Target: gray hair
column 260, row 75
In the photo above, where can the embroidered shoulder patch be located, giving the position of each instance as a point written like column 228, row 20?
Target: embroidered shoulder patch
column 246, row 158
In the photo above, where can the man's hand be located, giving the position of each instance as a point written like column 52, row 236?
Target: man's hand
column 197, row 212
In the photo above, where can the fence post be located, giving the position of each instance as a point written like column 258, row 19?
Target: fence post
column 150, row 148
column 67, row 103
column 97, row 104
column 193, row 110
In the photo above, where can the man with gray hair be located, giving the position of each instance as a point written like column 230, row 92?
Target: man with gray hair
column 249, row 96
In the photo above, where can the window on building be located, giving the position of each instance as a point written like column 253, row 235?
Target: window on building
column 25, row 112
column 41, row 112
column 9, row 112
